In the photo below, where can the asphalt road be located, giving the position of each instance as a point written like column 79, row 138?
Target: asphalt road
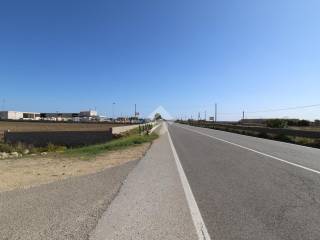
column 245, row 188
column 63, row 210
column 151, row 204
column 251, row 188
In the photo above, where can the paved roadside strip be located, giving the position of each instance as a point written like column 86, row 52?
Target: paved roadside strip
column 151, row 204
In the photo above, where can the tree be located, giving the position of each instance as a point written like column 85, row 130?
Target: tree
column 277, row 123
column 157, row 116
column 304, row 123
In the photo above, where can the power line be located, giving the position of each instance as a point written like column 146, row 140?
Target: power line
column 215, row 112
column 246, row 114
column 284, row 109
column 271, row 110
column 234, row 114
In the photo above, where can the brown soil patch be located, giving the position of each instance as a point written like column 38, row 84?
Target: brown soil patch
column 16, row 126
column 54, row 126
column 32, row 171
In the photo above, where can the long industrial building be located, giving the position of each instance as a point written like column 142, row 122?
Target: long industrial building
column 82, row 116
column 14, row 115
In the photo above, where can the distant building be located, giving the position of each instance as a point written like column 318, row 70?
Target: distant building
column 83, row 116
column 89, row 113
column 60, row 117
column 57, row 116
column 15, row 115
column 88, row 116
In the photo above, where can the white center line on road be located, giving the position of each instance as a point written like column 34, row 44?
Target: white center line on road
column 198, row 222
column 252, row 150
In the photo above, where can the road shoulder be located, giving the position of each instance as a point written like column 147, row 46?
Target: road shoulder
column 64, row 210
column 151, row 204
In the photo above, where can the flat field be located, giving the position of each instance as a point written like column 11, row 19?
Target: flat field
column 315, row 128
column 56, row 126
column 52, row 126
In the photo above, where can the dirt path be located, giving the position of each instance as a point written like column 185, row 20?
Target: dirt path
column 32, row 171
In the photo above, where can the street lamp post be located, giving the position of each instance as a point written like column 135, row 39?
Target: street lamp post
column 113, row 106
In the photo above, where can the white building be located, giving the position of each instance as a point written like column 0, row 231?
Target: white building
column 14, row 115
column 76, row 117
column 89, row 113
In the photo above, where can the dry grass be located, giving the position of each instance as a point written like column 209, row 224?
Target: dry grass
column 315, row 128
column 32, row 171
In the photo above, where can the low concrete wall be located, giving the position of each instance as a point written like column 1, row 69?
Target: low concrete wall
column 65, row 138
column 122, row 129
column 118, row 130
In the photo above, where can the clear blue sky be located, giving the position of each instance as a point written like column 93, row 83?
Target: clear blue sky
column 184, row 55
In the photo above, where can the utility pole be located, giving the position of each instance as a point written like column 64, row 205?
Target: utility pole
column 205, row 115
column 135, row 110
column 198, row 116
column 3, row 104
column 215, row 112
column 243, row 115
column 113, row 104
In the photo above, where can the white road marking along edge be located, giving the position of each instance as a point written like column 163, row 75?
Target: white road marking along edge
column 198, row 222
column 252, row 150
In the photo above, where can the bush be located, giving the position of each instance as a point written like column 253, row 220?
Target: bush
column 298, row 123
column 277, row 123
column 53, row 148
column 283, row 138
column 316, row 143
column 304, row 141
column 145, row 128
column 6, row 148
column 262, row 135
column 116, row 144
column 304, row 123
column 19, row 147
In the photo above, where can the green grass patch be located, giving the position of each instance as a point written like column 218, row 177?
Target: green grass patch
column 21, row 148
column 133, row 137
column 18, row 147
column 129, row 140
